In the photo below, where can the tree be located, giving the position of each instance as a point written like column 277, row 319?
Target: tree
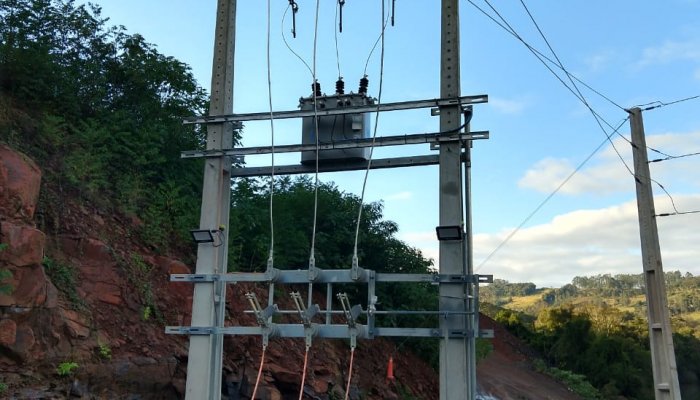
column 104, row 111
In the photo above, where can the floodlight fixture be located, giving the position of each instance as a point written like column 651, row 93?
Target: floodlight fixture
column 449, row 232
column 202, row 235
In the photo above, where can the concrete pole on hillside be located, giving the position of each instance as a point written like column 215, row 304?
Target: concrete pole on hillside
column 204, row 366
column 663, row 357
column 455, row 383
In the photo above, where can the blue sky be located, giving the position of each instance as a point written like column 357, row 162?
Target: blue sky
column 632, row 52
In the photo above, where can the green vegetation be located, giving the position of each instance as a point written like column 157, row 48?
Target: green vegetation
column 66, row 368
column 378, row 247
column 405, row 393
column 140, row 273
column 64, row 277
column 104, row 351
column 577, row 383
column 596, row 327
column 101, row 111
column 484, row 347
column 3, row 387
column 5, row 288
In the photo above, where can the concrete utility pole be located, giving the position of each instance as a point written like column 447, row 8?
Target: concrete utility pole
column 204, row 366
column 455, row 383
column 663, row 357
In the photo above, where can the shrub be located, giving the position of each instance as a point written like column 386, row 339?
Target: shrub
column 66, row 368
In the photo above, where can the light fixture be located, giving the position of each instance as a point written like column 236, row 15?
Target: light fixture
column 449, row 232
column 202, row 235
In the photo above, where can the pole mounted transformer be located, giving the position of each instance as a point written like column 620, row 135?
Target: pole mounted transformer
column 335, row 128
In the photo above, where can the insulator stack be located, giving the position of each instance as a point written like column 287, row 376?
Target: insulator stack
column 364, row 82
column 316, row 88
column 339, row 86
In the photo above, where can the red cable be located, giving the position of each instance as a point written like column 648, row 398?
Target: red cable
column 303, row 375
column 257, row 380
column 347, row 388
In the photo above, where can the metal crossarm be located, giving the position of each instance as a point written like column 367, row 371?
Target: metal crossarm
column 344, row 144
column 329, row 276
column 404, row 105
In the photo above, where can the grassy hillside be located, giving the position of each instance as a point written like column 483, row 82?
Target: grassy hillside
column 596, row 326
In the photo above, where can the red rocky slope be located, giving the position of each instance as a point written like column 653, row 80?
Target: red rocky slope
column 100, row 321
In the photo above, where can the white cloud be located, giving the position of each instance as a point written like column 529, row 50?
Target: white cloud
column 605, row 174
column 599, row 61
column 587, row 242
column 546, row 175
column 426, row 241
column 399, row 196
column 582, row 242
column 671, row 51
column 508, row 106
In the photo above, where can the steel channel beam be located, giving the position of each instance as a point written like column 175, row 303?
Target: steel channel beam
column 404, row 105
column 334, row 331
column 327, row 276
column 383, row 163
column 381, row 141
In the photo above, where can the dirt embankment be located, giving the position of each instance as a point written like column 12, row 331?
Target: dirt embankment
column 101, row 298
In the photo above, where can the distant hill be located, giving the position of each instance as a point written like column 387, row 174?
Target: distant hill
column 596, row 326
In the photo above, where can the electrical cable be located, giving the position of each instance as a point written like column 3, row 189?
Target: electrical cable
column 303, row 375
column 257, row 380
column 312, row 256
column 673, row 203
column 374, row 137
column 270, row 260
column 352, row 358
column 668, row 157
column 577, row 93
column 549, row 197
column 561, row 65
column 380, row 38
column 677, row 213
column 543, row 57
column 284, row 38
column 335, row 32
column 659, row 104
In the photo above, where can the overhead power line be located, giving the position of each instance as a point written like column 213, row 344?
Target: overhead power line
column 549, row 197
column 561, row 65
column 658, row 104
column 673, row 157
column 678, row 213
column 575, row 91
column 543, row 57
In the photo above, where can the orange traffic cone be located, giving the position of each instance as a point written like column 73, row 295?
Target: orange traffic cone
column 390, row 369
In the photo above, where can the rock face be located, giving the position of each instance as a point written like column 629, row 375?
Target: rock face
column 20, row 180
column 110, row 299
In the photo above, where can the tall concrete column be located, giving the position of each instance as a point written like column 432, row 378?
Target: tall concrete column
column 453, row 350
column 663, row 357
column 204, row 366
